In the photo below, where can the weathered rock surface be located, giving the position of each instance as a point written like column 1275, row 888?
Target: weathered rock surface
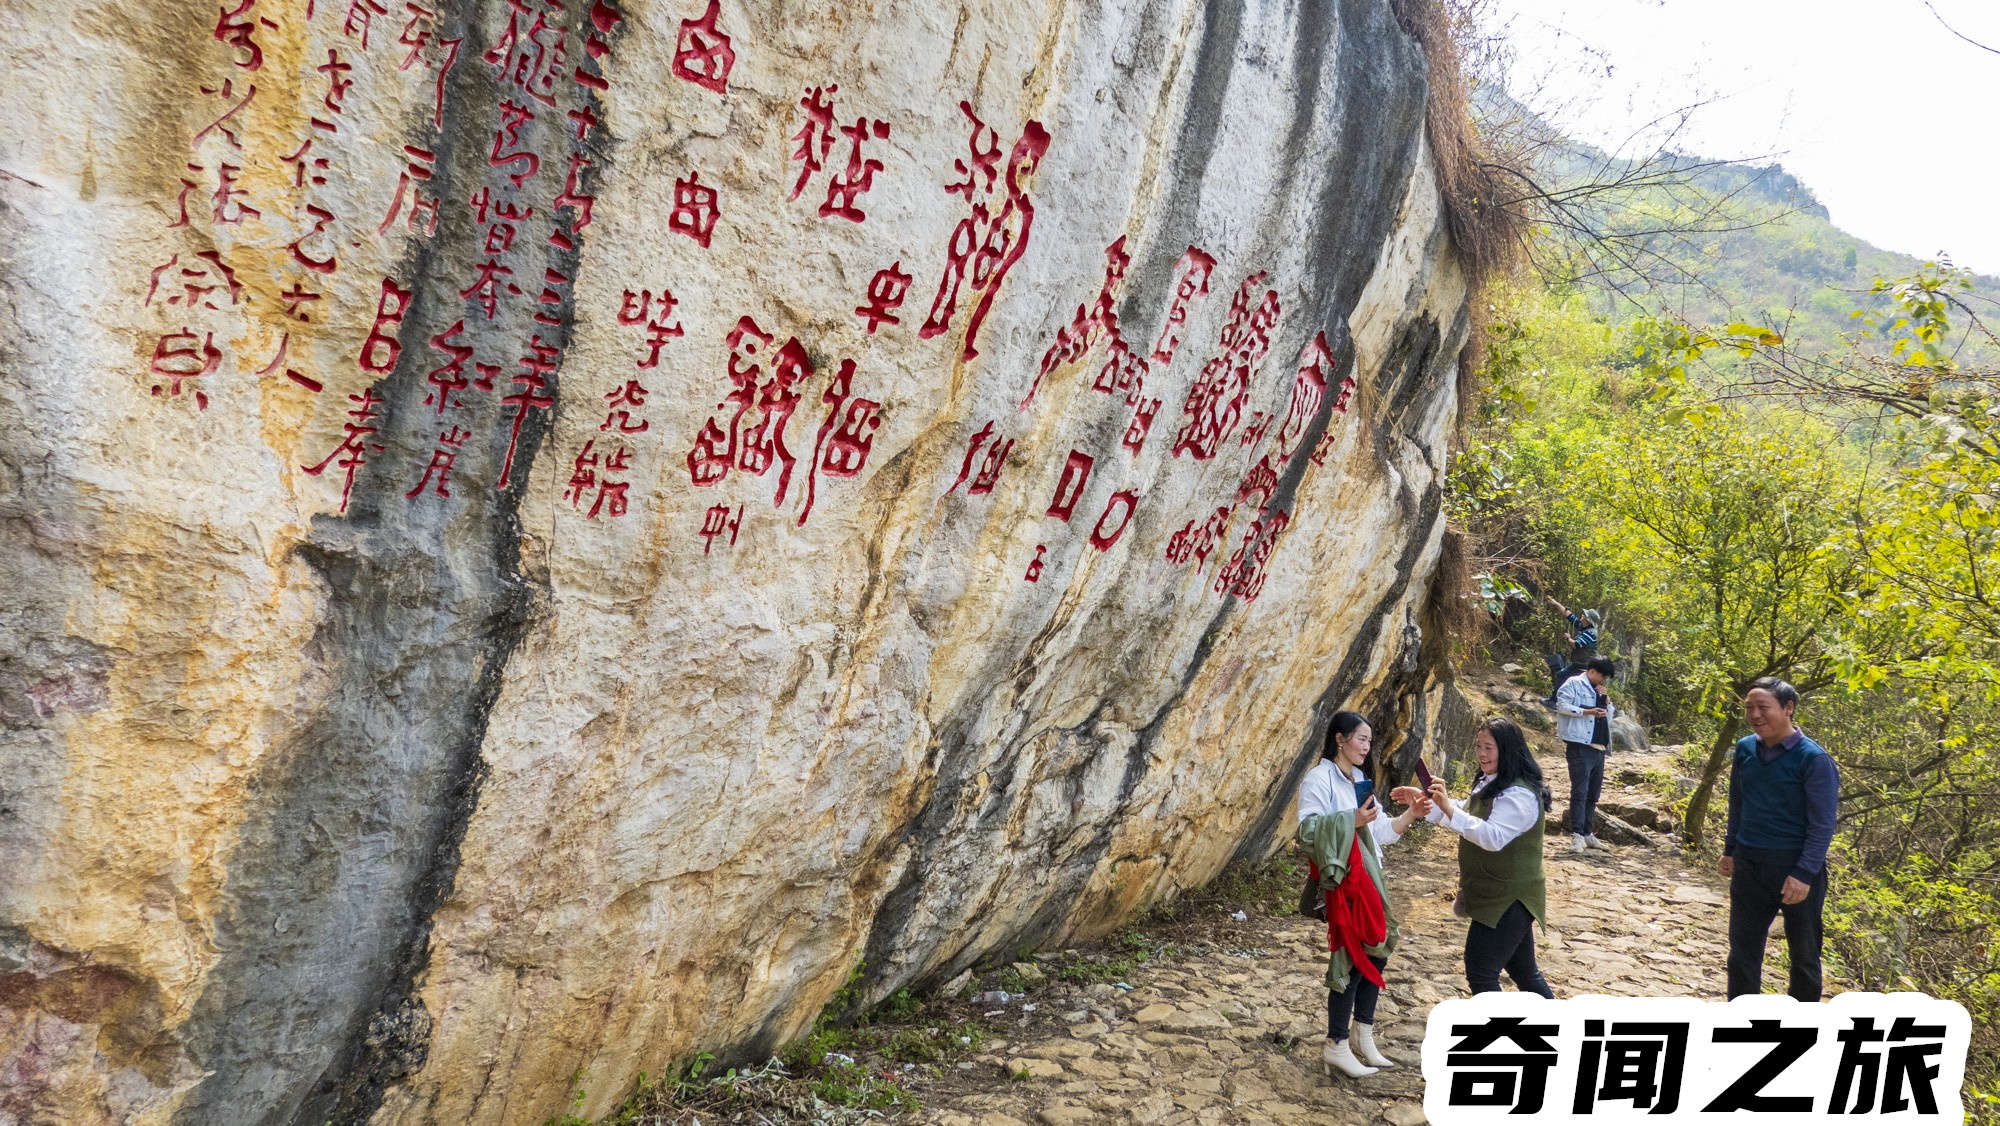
column 436, row 662
column 1628, row 734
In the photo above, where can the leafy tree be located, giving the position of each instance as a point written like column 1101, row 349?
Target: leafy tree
column 1733, row 547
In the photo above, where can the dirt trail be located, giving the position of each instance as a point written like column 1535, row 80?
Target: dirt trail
column 1234, row 1036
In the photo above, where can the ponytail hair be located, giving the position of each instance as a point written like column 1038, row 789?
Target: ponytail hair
column 1342, row 725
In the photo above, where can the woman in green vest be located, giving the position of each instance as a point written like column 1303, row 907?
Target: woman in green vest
column 1500, row 883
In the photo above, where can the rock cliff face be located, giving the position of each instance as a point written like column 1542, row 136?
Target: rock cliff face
column 541, row 534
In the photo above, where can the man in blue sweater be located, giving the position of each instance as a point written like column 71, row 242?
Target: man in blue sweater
column 1783, row 792
column 1582, row 638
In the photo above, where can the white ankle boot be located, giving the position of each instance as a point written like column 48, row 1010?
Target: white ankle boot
column 1338, row 1056
column 1364, row 1047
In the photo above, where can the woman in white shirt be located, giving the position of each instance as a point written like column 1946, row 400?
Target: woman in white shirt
column 1500, row 882
column 1336, row 801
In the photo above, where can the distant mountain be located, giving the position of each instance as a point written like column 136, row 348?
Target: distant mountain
column 1708, row 241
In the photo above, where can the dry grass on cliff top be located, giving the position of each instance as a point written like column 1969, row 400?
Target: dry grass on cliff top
column 1488, row 235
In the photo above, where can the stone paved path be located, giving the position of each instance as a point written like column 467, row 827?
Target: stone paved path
column 1235, row 1037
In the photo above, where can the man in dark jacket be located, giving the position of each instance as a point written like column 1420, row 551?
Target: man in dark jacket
column 1783, row 792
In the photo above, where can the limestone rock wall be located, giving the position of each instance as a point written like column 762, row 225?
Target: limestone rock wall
column 541, row 534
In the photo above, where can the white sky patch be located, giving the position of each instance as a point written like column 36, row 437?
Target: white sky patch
column 1890, row 119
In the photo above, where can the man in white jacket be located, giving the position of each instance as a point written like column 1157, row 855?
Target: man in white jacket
column 1584, row 725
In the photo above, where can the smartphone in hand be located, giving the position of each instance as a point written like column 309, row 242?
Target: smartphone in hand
column 1423, row 774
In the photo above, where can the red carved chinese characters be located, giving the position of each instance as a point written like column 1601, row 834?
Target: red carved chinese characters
column 277, row 361
column 696, row 208
column 448, row 381
column 531, row 383
column 502, row 220
column 227, row 208
column 658, row 331
column 762, row 445
column 1325, row 445
column 1215, row 402
column 337, row 86
column 763, row 403
column 235, row 28
column 523, row 160
column 603, row 17
column 1192, row 281
column 1069, row 487
column 885, row 294
column 1243, row 575
column 1198, row 543
column 1253, row 432
column 303, row 168
column 989, row 469
column 419, row 166
column 623, row 400
column 352, row 451
column 859, row 176
column 591, row 471
column 178, row 358
column 703, row 55
column 361, row 17
column 1141, row 424
column 380, row 350
column 1074, row 341
column 321, row 217
column 1258, row 484
column 845, row 438
column 718, row 520
column 714, row 451
column 449, row 378
column 572, row 195
column 985, row 245
column 815, row 135
column 531, row 59
column 1308, row 392
column 437, row 475
column 1106, row 533
column 419, row 35
column 197, row 280
column 222, row 124
column 1346, row 393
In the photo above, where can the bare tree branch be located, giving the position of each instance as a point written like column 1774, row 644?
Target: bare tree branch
column 1941, row 23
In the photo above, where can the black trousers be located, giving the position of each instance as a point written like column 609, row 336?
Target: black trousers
column 1359, row 997
column 1755, row 886
column 1511, row 946
column 1586, row 785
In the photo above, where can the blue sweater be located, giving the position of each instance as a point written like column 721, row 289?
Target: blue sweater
column 1586, row 634
column 1782, row 802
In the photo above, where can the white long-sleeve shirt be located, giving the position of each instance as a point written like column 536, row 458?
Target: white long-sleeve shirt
column 1328, row 789
column 1514, row 812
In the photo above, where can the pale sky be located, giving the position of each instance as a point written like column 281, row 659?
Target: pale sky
column 1892, row 121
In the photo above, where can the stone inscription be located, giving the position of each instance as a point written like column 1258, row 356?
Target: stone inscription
column 550, row 62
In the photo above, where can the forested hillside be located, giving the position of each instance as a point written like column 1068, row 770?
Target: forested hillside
column 1706, row 241
column 1765, row 448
